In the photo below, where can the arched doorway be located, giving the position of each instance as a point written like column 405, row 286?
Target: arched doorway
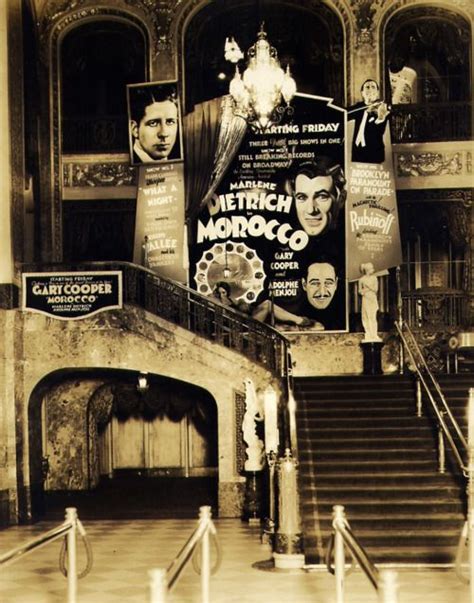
column 97, row 59
column 114, row 451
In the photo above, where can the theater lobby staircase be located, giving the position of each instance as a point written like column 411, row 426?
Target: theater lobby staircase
column 361, row 445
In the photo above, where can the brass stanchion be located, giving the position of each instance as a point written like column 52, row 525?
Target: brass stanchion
column 71, row 516
column 338, row 515
column 388, row 586
column 269, row 526
column 158, row 586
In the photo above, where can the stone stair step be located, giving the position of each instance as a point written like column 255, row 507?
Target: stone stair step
column 362, row 446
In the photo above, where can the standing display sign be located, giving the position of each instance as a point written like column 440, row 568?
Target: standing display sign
column 159, row 225
column 373, row 231
column 71, row 295
column 274, row 230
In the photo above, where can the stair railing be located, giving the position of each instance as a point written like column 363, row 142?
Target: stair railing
column 291, row 440
column 190, row 309
column 466, row 540
column 384, row 582
column 68, row 530
column 162, row 581
column 448, row 427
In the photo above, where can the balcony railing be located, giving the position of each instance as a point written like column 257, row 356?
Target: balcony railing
column 105, row 134
column 434, row 122
column 436, row 307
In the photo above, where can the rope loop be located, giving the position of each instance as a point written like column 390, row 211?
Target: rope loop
column 63, row 556
column 197, row 555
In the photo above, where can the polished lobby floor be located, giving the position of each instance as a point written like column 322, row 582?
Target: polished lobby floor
column 125, row 550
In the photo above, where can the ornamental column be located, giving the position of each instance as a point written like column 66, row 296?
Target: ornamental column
column 6, row 251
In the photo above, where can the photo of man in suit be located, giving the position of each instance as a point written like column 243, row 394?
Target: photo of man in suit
column 370, row 118
column 319, row 193
column 154, row 123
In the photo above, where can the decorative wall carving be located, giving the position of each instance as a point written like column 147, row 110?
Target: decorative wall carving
column 55, row 9
column 434, row 345
column 364, row 12
column 103, row 174
column 160, row 13
column 430, row 164
column 459, row 222
column 239, row 405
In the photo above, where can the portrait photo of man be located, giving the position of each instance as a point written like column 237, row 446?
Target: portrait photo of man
column 154, row 123
column 324, row 295
column 370, row 118
column 319, row 193
column 320, row 284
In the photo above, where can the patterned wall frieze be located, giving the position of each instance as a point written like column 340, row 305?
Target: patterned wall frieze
column 432, row 164
column 101, row 174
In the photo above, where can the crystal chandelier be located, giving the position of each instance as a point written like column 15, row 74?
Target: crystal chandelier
column 262, row 95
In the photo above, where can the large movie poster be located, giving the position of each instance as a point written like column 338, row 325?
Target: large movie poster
column 373, row 233
column 156, row 147
column 272, row 238
column 159, row 224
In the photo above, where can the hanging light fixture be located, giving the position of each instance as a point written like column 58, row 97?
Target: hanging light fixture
column 142, row 385
column 262, row 94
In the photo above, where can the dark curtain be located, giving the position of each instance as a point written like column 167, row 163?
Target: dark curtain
column 212, row 135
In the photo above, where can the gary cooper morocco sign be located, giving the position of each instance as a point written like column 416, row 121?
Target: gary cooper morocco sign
column 71, row 295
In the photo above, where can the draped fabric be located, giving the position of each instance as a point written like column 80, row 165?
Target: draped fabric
column 162, row 400
column 212, row 136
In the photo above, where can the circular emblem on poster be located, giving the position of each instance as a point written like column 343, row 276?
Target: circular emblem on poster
column 234, row 263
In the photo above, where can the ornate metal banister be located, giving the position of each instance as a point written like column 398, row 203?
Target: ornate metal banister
column 187, row 308
column 435, row 305
column 446, row 421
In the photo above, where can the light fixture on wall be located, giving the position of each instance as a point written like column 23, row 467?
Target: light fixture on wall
column 142, row 385
column 226, row 271
column 262, row 94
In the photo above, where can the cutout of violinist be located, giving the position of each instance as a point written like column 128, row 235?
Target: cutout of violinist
column 370, row 118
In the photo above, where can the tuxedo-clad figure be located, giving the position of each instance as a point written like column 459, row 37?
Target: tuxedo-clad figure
column 370, row 118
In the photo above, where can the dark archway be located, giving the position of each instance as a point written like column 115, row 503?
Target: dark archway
column 309, row 40
column 70, row 418
column 98, row 59
column 436, row 43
